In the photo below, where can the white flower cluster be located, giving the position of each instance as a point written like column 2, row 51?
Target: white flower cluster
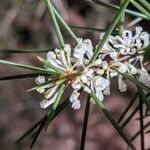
column 122, row 52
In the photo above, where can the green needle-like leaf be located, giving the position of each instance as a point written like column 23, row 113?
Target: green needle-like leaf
column 145, row 3
column 134, row 22
column 141, row 123
column 128, row 107
column 55, row 23
column 108, row 5
column 50, row 66
column 141, row 9
column 85, row 124
column 22, row 76
column 52, row 110
column 130, row 116
column 59, row 109
column 66, row 26
column 109, row 31
column 144, row 97
column 26, row 51
column 88, row 28
column 112, row 121
column 121, row 20
column 139, row 131
column 24, row 66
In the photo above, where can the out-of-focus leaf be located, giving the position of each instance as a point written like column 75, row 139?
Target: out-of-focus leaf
column 128, row 107
column 128, row 11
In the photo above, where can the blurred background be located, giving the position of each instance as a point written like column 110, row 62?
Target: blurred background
column 25, row 25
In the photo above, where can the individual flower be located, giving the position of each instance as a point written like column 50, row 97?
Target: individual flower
column 82, row 50
column 129, row 43
column 60, row 58
column 144, row 77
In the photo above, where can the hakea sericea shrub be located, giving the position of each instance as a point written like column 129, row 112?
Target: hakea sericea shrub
column 120, row 54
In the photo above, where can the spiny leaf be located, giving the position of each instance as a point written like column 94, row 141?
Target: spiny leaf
column 24, row 66
column 130, row 117
column 55, row 23
column 50, row 66
column 25, row 51
column 141, row 9
column 85, row 123
column 128, row 11
column 58, row 110
column 109, row 31
column 138, row 132
column 22, row 76
column 144, row 97
column 141, row 123
column 112, row 121
column 65, row 25
column 52, row 110
column 145, row 3
column 128, row 107
column 134, row 22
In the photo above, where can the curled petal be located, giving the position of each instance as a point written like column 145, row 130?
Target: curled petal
column 76, row 104
column 40, row 79
column 122, row 85
column 100, row 83
column 99, row 94
column 51, row 55
column 45, row 103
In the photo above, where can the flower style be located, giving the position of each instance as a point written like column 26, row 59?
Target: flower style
column 120, row 52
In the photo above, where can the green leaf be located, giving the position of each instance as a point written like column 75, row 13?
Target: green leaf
column 141, row 124
column 38, row 132
column 22, row 76
column 130, row 116
column 121, row 20
column 85, row 124
column 55, row 23
column 24, row 66
column 52, row 110
column 139, row 131
column 141, row 9
column 66, row 26
column 59, row 109
column 128, row 107
column 26, row 51
column 144, row 97
column 145, row 3
column 112, row 121
column 134, row 22
column 109, row 31
column 87, row 28
column 108, row 5
column 50, row 66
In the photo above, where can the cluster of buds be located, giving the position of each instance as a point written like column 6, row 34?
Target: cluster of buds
column 121, row 52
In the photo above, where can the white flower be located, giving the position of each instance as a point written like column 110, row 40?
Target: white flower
column 74, row 100
column 144, row 77
column 121, row 84
column 84, row 47
column 108, row 48
column 40, row 79
column 120, row 52
column 100, row 84
column 60, row 58
column 47, row 102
